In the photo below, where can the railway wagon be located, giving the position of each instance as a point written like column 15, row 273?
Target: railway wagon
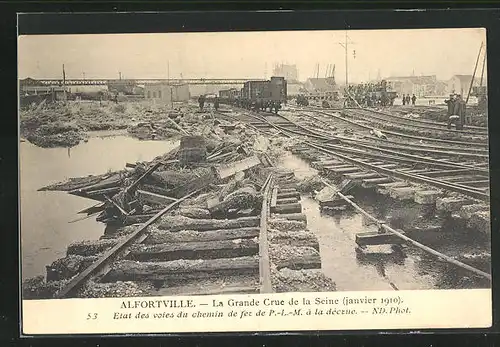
column 261, row 95
column 228, row 96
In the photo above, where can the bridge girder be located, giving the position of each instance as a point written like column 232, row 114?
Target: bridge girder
column 192, row 81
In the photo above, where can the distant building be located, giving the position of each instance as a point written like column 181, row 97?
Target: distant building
column 290, row 72
column 30, row 86
column 421, row 86
column 295, row 88
column 121, row 86
column 460, row 84
column 166, row 93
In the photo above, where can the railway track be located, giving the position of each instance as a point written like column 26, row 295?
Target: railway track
column 426, row 183
column 356, row 158
column 408, row 126
column 201, row 256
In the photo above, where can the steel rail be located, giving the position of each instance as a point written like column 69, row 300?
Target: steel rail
column 457, row 188
column 484, row 130
column 408, row 239
column 402, row 156
column 363, row 113
column 406, row 121
column 79, row 280
column 451, row 142
column 420, row 146
column 264, row 263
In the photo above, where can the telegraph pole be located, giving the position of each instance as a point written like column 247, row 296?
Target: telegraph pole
column 474, row 73
column 169, row 85
column 64, row 83
column 346, row 48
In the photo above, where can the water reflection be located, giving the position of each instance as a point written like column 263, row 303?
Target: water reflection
column 400, row 267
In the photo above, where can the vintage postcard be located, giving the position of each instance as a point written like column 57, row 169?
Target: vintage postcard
column 254, row 181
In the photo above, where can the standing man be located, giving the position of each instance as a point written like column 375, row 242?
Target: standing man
column 404, row 99
column 413, row 99
column 201, row 101
column 216, row 103
column 460, row 112
column 451, row 107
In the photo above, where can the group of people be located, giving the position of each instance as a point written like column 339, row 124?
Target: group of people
column 407, row 99
column 456, row 111
column 369, row 94
column 202, row 99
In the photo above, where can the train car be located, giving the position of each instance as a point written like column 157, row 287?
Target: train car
column 228, row 96
column 263, row 95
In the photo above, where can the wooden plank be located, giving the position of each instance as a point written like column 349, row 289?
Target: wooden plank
column 128, row 270
column 287, row 208
column 264, row 263
column 293, row 216
column 114, row 203
column 274, row 197
column 242, row 165
column 375, row 238
column 105, row 191
column 79, row 280
column 194, row 250
column 175, row 224
column 154, row 198
column 294, row 194
column 162, row 236
column 286, row 201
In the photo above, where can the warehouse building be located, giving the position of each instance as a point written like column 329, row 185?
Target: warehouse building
column 166, row 93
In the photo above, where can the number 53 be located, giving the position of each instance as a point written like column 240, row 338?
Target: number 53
column 91, row 316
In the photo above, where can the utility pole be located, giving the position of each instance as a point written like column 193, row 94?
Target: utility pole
column 169, row 85
column 346, row 48
column 120, row 75
column 474, row 73
column 64, row 83
column 482, row 70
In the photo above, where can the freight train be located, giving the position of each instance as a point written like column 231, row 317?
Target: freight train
column 257, row 95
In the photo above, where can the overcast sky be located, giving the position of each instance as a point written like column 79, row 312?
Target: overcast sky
column 441, row 52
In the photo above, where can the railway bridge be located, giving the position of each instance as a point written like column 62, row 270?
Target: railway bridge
column 103, row 82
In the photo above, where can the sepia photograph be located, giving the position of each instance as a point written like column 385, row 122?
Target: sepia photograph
column 230, row 163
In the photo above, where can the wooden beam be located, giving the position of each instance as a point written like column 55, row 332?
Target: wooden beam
column 274, row 197
column 154, row 198
column 80, row 279
column 375, row 238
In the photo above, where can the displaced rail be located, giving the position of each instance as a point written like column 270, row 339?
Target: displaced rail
column 384, row 117
column 400, row 234
column 416, row 169
column 426, row 139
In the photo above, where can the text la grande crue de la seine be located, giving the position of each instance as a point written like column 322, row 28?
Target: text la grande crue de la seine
column 231, row 302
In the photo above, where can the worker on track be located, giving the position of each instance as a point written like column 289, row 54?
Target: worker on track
column 216, row 103
column 413, row 99
column 201, row 101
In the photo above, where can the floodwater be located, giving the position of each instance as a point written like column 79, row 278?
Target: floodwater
column 46, row 230
column 382, row 267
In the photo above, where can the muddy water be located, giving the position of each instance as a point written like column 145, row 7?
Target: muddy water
column 45, row 216
column 382, row 267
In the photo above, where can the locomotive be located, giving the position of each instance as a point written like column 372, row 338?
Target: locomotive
column 257, row 95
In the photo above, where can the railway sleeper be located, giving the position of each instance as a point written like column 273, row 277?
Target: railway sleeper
column 372, row 182
column 194, row 250
column 158, row 236
column 384, row 188
column 287, row 208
